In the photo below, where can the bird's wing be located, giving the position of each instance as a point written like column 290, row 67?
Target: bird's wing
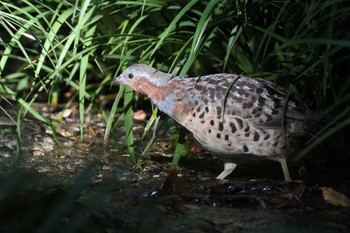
column 262, row 102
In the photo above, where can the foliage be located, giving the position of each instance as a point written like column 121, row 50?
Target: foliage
column 48, row 47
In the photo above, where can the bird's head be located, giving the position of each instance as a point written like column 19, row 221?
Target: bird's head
column 147, row 80
column 140, row 76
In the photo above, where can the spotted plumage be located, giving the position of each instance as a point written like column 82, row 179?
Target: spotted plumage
column 229, row 115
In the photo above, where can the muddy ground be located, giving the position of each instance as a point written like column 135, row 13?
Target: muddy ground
column 82, row 186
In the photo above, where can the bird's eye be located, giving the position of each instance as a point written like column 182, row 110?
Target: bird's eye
column 130, row 75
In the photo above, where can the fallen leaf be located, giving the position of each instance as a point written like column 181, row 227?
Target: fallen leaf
column 172, row 184
column 196, row 149
column 83, row 146
column 335, row 198
column 297, row 188
column 139, row 115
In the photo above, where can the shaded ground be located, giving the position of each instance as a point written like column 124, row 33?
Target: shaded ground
column 80, row 186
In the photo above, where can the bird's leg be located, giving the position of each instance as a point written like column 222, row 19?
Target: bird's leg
column 228, row 168
column 285, row 170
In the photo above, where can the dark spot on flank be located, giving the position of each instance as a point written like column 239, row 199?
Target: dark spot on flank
column 268, row 118
column 218, row 135
column 221, row 126
column 226, row 137
column 219, row 95
column 258, row 114
column 278, row 95
column 247, row 105
column 270, row 90
column 274, row 112
column 206, row 101
column 194, row 114
column 254, row 111
column 247, row 134
column 256, row 136
column 259, row 90
column 261, row 101
column 275, row 143
column 266, row 136
column 211, row 93
column 196, row 102
column 211, row 122
column 219, row 89
column 244, row 83
column 240, row 123
column 246, row 129
column 229, row 144
column 245, row 148
column 199, row 87
column 202, row 115
column 277, row 104
column 191, row 80
column 240, row 91
column 213, row 81
column 199, row 109
column 237, row 100
column 206, row 109
column 202, row 121
column 218, row 110
column 233, row 127
column 209, row 130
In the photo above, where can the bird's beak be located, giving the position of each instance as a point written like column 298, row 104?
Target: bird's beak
column 116, row 80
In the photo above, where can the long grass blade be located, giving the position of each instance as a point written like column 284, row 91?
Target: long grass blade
column 112, row 114
column 128, row 123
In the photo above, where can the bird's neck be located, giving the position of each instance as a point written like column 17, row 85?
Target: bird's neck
column 165, row 97
column 171, row 98
column 176, row 99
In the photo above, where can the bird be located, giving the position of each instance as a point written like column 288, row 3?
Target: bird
column 229, row 115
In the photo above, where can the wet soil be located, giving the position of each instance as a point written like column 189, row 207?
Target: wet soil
column 82, row 186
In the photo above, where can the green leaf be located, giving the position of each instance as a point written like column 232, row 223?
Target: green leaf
column 112, row 113
column 129, row 123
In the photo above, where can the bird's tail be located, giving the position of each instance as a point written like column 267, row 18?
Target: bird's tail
column 315, row 123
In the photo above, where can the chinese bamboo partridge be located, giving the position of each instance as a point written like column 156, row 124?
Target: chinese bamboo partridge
column 229, row 115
